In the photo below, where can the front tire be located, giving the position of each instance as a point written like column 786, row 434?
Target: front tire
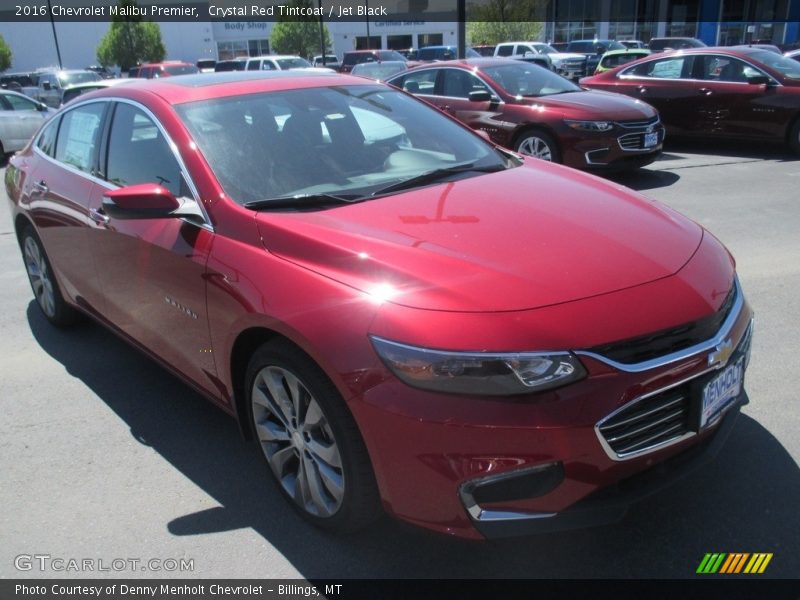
column 537, row 144
column 309, row 439
column 43, row 282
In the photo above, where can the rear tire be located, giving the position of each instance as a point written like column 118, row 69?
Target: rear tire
column 309, row 439
column 43, row 282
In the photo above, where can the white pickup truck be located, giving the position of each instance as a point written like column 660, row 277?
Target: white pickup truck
column 52, row 83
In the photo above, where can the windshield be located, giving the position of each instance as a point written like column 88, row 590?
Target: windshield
column 528, row 80
column 350, row 140
column 81, row 77
column 785, row 66
column 293, row 63
column 390, row 55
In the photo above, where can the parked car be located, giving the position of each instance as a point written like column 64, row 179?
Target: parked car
column 593, row 50
column 20, row 118
column 715, row 92
column 234, row 64
column 51, row 84
column 165, row 69
column 276, row 63
column 76, row 91
column 485, row 49
column 422, row 322
column 102, row 71
column 570, row 65
column 409, row 53
column 436, row 53
column 379, row 71
column 360, row 56
column 206, row 65
column 633, row 44
column 331, row 62
column 614, row 58
column 24, row 83
column 538, row 113
column 674, row 43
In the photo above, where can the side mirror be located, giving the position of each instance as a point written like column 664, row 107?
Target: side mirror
column 480, row 96
column 142, row 201
column 758, row 80
column 46, row 86
column 42, row 107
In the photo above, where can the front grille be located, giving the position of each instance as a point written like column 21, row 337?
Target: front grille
column 650, row 422
column 635, row 141
column 667, row 341
column 639, row 124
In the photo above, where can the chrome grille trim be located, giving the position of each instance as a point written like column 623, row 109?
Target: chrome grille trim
column 680, row 355
column 653, row 121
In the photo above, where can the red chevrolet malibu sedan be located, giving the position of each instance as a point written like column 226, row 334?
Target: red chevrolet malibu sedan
column 744, row 93
column 538, row 113
column 475, row 342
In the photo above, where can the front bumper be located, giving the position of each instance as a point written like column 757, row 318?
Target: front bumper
column 620, row 149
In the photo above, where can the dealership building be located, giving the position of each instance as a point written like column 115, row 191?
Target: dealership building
column 714, row 21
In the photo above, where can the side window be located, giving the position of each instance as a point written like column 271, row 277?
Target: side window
column 78, row 136
column 267, row 65
column 676, row 67
column 727, row 68
column 253, row 65
column 47, row 141
column 19, row 103
column 523, row 49
column 459, row 84
column 139, row 153
column 421, row 82
column 506, row 50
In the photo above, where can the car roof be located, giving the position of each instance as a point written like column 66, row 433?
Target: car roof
column 274, row 56
column 208, row 86
column 166, row 63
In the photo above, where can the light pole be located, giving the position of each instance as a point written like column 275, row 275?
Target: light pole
column 321, row 32
column 55, row 36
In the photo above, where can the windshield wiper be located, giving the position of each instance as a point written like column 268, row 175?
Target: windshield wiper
column 436, row 175
column 302, row 201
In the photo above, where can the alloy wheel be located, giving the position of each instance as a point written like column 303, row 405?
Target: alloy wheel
column 39, row 275
column 536, row 147
column 298, row 441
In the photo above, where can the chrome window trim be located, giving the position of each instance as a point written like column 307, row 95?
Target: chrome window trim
column 107, row 184
column 679, row 355
column 624, row 73
column 667, row 443
column 479, row 514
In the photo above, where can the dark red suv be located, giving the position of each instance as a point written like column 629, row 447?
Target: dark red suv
column 421, row 323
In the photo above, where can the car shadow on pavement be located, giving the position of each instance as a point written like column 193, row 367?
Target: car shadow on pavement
column 644, row 179
column 731, row 148
column 745, row 501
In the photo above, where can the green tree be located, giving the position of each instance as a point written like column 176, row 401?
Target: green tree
column 496, row 21
column 5, row 55
column 299, row 36
column 130, row 40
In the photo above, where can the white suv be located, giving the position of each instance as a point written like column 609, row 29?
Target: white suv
column 276, row 63
column 568, row 64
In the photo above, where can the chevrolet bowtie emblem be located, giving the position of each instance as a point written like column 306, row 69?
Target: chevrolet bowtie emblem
column 722, row 352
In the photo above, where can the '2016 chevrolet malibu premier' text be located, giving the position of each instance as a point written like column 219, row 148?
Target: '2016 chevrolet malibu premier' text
column 423, row 323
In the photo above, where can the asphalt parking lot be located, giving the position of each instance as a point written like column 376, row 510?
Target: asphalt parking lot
column 103, row 455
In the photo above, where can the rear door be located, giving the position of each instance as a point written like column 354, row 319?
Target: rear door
column 153, row 270
column 669, row 84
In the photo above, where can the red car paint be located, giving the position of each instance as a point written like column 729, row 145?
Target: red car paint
column 701, row 100
column 538, row 257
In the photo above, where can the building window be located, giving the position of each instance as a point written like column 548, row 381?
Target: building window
column 374, row 42
column 242, row 48
column 429, row 39
column 399, row 42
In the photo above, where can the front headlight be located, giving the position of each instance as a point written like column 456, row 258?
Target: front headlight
column 593, row 126
column 480, row 373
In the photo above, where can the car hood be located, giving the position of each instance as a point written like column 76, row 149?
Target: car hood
column 527, row 237
column 595, row 104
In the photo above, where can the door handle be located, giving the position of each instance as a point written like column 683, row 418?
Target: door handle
column 40, row 187
column 705, row 91
column 98, row 216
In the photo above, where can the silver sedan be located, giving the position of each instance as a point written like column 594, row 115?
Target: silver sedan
column 20, row 118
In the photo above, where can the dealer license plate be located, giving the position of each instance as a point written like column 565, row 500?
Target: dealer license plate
column 718, row 392
column 650, row 139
